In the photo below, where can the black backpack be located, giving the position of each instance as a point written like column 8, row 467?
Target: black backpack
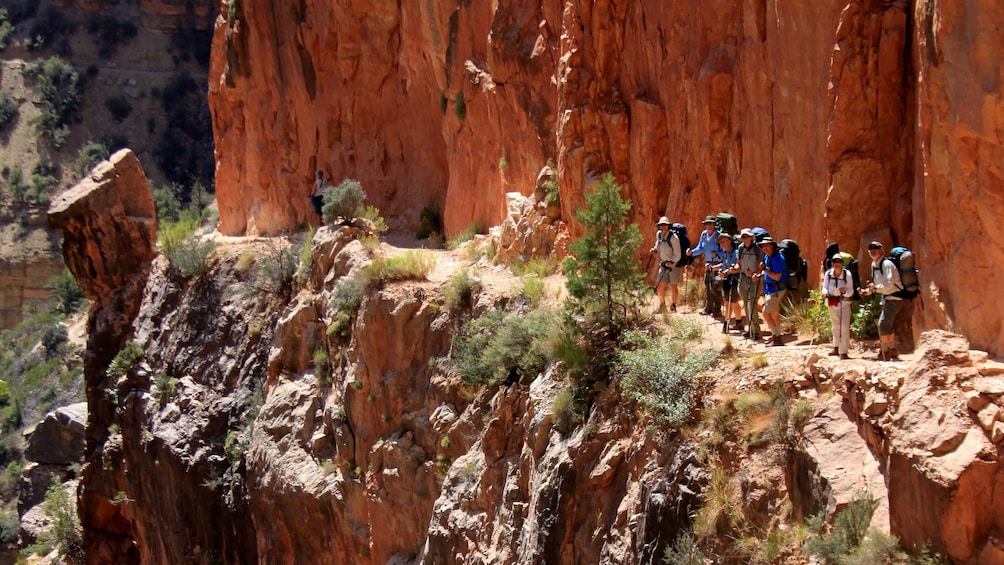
column 681, row 232
column 726, row 223
column 797, row 267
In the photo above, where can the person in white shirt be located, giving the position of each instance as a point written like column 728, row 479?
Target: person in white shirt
column 838, row 286
column 667, row 244
column 885, row 281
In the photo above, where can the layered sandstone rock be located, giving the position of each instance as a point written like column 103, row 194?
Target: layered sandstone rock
column 819, row 120
column 926, row 441
column 158, row 15
column 109, row 232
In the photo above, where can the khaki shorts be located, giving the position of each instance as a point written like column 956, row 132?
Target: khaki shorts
column 772, row 304
column 671, row 275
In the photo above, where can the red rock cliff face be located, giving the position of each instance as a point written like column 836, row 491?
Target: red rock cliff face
column 820, row 120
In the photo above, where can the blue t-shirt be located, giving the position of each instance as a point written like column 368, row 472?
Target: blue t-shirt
column 775, row 264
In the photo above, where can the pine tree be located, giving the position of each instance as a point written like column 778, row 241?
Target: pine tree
column 604, row 280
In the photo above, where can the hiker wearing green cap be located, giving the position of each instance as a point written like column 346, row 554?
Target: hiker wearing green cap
column 708, row 245
column 667, row 244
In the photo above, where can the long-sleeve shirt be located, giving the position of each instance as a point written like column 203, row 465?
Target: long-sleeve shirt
column 708, row 244
column 885, row 277
column 729, row 258
column 832, row 284
column 668, row 247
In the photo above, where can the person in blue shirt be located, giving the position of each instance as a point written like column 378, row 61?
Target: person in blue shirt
column 775, row 275
column 708, row 245
column 728, row 274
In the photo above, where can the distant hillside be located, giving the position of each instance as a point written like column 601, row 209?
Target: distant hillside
column 75, row 85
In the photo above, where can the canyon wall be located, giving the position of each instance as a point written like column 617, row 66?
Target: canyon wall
column 823, row 121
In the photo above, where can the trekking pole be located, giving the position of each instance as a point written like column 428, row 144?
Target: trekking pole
column 728, row 309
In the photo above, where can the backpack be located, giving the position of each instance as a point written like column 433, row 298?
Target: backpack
column 905, row 263
column 831, row 250
column 681, row 233
column 726, row 223
column 759, row 234
column 797, row 269
column 851, row 264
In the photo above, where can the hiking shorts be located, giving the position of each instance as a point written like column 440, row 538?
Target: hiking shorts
column 887, row 320
column 772, row 302
column 668, row 275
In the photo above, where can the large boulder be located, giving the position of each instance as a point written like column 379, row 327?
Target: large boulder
column 59, row 438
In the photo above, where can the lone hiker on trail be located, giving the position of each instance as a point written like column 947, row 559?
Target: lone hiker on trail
column 838, row 286
column 885, row 281
column 750, row 286
column 317, row 197
column 668, row 246
column 708, row 244
column 775, row 275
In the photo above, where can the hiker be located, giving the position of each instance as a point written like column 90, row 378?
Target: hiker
column 708, row 244
column 668, row 246
column 728, row 274
column 775, row 276
column 838, row 287
column 750, row 285
column 885, row 281
column 317, row 197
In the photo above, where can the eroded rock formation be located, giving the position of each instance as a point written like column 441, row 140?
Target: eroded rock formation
column 821, row 120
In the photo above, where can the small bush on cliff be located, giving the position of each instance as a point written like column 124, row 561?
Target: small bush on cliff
column 864, row 322
column 662, row 377
column 306, row 257
column 343, row 201
column 119, row 107
column 8, row 109
column 842, row 544
column 413, row 264
column 273, row 271
column 61, row 91
column 89, row 155
column 550, row 184
column 604, row 281
column 461, row 289
column 345, row 300
column 124, row 360
column 497, row 347
column 64, row 534
column 188, row 252
column 65, row 292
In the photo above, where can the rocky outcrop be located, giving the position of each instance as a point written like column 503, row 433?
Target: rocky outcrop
column 22, row 284
column 158, row 15
column 931, row 434
column 822, row 121
column 109, row 231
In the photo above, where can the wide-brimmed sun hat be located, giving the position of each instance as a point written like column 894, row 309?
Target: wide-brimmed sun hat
column 663, row 221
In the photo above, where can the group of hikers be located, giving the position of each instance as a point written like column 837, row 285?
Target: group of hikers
column 741, row 269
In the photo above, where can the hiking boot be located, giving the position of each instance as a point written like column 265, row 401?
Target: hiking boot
column 776, row 340
column 672, row 307
column 844, row 356
column 834, row 352
column 892, row 355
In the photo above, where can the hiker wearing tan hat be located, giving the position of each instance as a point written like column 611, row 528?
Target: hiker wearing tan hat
column 667, row 244
column 750, row 285
column 708, row 245
column 838, row 287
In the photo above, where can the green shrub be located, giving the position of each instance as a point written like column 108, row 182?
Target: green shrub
column 125, row 359
column 16, row 185
column 322, row 368
column 53, row 337
column 460, row 290
column 460, row 106
column 565, row 411
column 66, row 293
column 188, row 252
column 119, row 107
column 306, row 257
column 661, row 378
column 165, row 201
column 165, row 386
column 550, row 184
column 496, row 346
column 533, row 290
column 6, row 31
column 109, row 32
column 372, row 214
column 273, row 271
column 809, row 318
column 864, row 323
column 345, row 297
column 413, row 264
column 90, row 155
column 61, row 93
column 604, row 281
column 343, row 201
column 430, row 221
column 848, row 531
column 8, row 109
column 64, row 534
column 684, row 551
column 467, row 235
